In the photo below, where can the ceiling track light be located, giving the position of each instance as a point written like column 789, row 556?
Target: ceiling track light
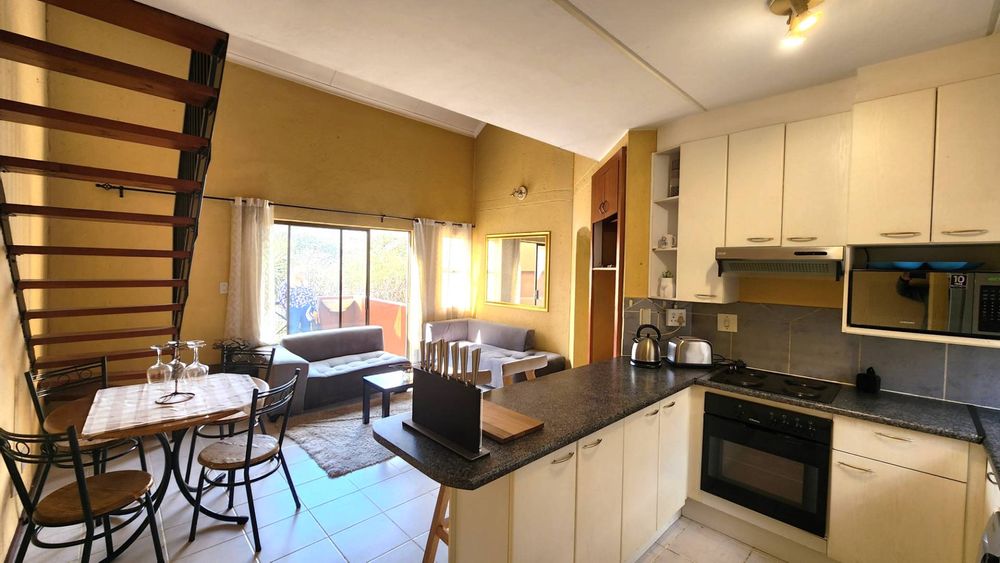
column 801, row 16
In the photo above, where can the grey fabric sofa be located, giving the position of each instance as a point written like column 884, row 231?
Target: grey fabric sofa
column 500, row 344
column 332, row 363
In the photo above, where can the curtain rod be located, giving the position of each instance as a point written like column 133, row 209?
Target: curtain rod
column 382, row 216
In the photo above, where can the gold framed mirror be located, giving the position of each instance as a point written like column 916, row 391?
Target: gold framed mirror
column 517, row 270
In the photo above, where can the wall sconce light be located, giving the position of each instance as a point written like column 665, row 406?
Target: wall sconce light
column 519, row 193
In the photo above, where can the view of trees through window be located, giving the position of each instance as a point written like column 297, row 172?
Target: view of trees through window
column 326, row 277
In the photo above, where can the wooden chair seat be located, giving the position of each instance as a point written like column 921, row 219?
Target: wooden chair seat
column 72, row 413
column 230, row 453
column 108, row 492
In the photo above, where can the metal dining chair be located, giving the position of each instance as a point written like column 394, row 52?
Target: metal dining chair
column 257, row 364
column 61, row 397
column 247, row 451
column 90, row 501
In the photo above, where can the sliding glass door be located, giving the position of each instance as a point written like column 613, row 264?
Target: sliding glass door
column 333, row 277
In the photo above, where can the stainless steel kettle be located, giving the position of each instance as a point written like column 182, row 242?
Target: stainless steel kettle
column 645, row 348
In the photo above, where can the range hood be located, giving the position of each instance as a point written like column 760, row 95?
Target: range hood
column 824, row 262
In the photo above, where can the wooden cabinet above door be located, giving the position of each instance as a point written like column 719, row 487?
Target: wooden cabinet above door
column 753, row 201
column 607, row 185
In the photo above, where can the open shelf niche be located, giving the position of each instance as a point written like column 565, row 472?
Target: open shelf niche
column 664, row 202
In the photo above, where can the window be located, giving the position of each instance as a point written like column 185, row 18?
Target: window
column 327, row 277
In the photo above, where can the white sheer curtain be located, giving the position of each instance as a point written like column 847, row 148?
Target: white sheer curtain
column 251, row 285
column 442, row 280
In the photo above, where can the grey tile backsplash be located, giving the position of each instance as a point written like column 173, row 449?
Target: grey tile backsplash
column 808, row 341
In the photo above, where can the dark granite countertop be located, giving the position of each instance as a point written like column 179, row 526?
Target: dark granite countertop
column 990, row 419
column 573, row 404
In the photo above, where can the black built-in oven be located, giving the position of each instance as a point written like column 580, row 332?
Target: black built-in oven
column 770, row 460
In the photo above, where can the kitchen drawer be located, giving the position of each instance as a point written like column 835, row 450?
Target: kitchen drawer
column 936, row 455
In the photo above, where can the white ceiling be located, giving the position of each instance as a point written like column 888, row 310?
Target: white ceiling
column 573, row 75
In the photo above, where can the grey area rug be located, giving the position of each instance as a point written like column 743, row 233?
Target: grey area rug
column 337, row 440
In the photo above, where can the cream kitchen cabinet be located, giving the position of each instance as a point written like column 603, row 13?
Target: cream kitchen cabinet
column 883, row 512
column 599, row 495
column 892, row 163
column 641, row 460
column 966, row 162
column 817, row 163
column 701, row 223
column 675, row 428
column 991, row 500
column 543, row 502
column 753, row 197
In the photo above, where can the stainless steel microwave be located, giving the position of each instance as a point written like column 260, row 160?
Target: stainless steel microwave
column 953, row 303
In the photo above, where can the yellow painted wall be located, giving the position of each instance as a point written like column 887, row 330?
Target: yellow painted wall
column 273, row 139
column 25, row 84
column 504, row 161
column 638, row 177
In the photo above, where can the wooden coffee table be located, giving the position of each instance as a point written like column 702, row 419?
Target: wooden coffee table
column 386, row 383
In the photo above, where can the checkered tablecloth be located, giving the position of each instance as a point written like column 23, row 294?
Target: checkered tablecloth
column 133, row 406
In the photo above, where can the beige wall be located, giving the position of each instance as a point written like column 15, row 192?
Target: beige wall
column 638, row 176
column 583, row 170
column 504, row 161
column 25, row 84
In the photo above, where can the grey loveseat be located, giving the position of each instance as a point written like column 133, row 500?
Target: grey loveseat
column 500, row 344
column 332, row 363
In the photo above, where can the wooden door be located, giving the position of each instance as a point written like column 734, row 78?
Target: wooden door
column 967, row 162
column 817, row 163
column 672, row 477
column 607, row 187
column 882, row 512
column 599, row 495
column 701, row 222
column 753, row 195
column 640, row 474
column 892, row 163
column 542, row 506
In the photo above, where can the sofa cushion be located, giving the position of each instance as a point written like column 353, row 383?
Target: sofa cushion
column 322, row 344
column 339, row 379
column 331, row 367
column 498, row 335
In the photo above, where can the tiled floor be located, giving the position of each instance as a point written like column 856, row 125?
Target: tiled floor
column 690, row 542
column 379, row 513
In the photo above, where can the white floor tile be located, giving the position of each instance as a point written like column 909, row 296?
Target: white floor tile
column 414, row 517
column 344, row 512
column 761, row 557
column 369, row 539
column 322, row 551
column 287, row 536
column 668, row 556
column 406, row 553
column 399, row 489
column 271, row 509
column 321, row 491
column 236, row 550
column 442, row 549
column 306, row 471
column 704, row 544
column 210, row 533
column 374, row 473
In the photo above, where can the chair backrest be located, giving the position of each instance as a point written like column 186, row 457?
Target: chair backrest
column 273, row 402
column 66, row 382
column 255, row 363
column 43, row 450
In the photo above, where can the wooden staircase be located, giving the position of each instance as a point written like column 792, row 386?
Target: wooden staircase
column 199, row 93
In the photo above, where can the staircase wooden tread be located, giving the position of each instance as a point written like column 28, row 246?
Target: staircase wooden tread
column 79, row 284
column 91, row 174
column 41, row 116
column 95, row 251
column 148, row 20
column 95, row 311
column 112, row 334
column 60, row 360
column 43, row 54
column 95, row 215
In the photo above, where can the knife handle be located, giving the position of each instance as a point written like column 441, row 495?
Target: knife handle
column 463, row 361
column 475, row 365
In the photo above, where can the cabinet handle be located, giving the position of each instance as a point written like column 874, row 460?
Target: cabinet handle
column 705, row 295
column 854, row 467
column 593, row 444
column 991, row 477
column 564, row 458
column 891, row 437
column 900, row 234
column 670, row 404
column 760, row 239
column 653, row 413
column 965, row 232
column 800, row 239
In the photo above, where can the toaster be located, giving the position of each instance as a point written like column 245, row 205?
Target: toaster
column 689, row 351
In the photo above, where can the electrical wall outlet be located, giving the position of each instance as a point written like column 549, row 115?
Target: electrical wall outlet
column 727, row 323
column 223, row 288
column 676, row 317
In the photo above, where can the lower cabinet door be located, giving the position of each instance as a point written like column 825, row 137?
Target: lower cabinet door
column 599, row 495
column 543, row 503
column 881, row 512
column 675, row 427
column 640, row 470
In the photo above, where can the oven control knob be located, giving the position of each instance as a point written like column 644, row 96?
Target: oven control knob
column 784, row 419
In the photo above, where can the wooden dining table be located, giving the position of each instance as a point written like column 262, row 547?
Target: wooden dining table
column 131, row 411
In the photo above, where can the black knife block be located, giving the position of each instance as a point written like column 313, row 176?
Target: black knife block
column 448, row 412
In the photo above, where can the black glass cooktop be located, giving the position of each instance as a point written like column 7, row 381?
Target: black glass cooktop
column 780, row 383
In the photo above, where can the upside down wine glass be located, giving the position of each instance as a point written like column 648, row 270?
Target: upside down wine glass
column 196, row 370
column 158, row 372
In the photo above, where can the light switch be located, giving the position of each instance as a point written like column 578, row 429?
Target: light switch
column 727, row 323
column 223, row 288
column 645, row 316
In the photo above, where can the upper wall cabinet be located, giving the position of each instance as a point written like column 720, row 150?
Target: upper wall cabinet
column 606, row 187
column 817, row 161
column 753, row 208
column 967, row 162
column 892, row 163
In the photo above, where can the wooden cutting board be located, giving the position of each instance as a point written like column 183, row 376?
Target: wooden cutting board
column 503, row 425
